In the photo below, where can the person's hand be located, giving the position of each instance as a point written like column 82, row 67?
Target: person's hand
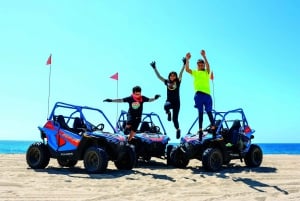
column 203, row 53
column 107, row 100
column 188, row 56
column 156, row 96
column 184, row 60
column 153, row 64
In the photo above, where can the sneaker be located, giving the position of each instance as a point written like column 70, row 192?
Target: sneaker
column 178, row 133
column 213, row 131
column 169, row 116
column 200, row 133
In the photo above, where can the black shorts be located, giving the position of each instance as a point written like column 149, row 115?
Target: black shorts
column 134, row 122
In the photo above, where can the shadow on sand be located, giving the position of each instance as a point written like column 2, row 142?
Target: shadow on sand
column 234, row 168
column 154, row 165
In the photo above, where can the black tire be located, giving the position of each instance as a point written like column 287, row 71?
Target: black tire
column 254, row 156
column 65, row 162
column 95, row 160
column 146, row 158
column 212, row 159
column 126, row 159
column 226, row 162
column 179, row 158
column 169, row 149
column 37, row 156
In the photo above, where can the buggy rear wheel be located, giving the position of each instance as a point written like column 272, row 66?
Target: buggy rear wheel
column 126, row 159
column 65, row 162
column 178, row 158
column 212, row 159
column 254, row 156
column 95, row 160
column 37, row 156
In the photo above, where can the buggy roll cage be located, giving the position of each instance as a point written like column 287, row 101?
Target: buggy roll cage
column 122, row 119
column 222, row 116
column 78, row 109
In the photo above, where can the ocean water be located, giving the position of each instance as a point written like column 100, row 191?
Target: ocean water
column 20, row 147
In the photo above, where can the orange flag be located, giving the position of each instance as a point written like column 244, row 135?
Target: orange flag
column 49, row 60
column 115, row 76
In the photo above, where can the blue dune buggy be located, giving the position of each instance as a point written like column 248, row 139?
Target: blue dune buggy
column 232, row 140
column 151, row 138
column 74, row 133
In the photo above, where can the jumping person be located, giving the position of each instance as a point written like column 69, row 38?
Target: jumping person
column 135, row 110
column 173, row 98
column 202, row 96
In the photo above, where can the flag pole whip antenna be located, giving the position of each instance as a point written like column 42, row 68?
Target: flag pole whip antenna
column 213, row 88
column 49, row 62
column 117, row 98
column 116, row 77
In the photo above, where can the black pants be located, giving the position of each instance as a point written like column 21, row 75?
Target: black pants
column 175, row 106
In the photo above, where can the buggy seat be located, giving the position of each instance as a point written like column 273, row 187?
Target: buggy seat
column 145, row 127
column 232, row 136
column 62, row 123
column 78, row 125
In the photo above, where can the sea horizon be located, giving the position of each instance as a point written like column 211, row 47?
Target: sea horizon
column 21, row 146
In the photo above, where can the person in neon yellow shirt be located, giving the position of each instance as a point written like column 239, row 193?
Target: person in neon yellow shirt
column 202, row 96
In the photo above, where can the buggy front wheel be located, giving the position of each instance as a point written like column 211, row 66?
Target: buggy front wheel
column 179, row 158
column 38, row 156
column 212, row 159
column 126, row 159
column 95, row 160
column 169, row 149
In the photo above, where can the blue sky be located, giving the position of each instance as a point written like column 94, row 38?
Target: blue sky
column 252, row 46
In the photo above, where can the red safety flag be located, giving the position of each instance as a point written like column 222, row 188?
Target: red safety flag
column 49, row 60
column 115, row 76
column 212, row 75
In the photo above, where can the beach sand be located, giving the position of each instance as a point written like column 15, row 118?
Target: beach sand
column 278, row 178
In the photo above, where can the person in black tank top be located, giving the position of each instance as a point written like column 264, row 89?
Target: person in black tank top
column 173, row 98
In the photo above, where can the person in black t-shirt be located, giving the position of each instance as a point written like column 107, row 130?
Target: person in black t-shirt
column 135, row 110
column 173, row 99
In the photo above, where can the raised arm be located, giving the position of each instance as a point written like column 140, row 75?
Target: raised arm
column 155, row 97
column 181, row 71
column 153, row 65
column 205, row 60
column 187, row 65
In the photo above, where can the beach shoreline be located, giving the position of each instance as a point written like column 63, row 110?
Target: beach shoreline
column 278, row 178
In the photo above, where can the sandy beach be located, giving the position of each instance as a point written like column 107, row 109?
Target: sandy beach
column 278, row 178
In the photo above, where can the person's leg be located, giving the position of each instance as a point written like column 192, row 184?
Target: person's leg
column 176, row 108
column 134, row 125
column 128, row 130
column 208, row 109
column 131, row 135
column 167, row 108
column 199, row 105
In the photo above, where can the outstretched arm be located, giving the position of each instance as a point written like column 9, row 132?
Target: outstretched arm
column 205, row 60
column 181, row 71
column 153, row 64
column 187, row 65
column 119, row 100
